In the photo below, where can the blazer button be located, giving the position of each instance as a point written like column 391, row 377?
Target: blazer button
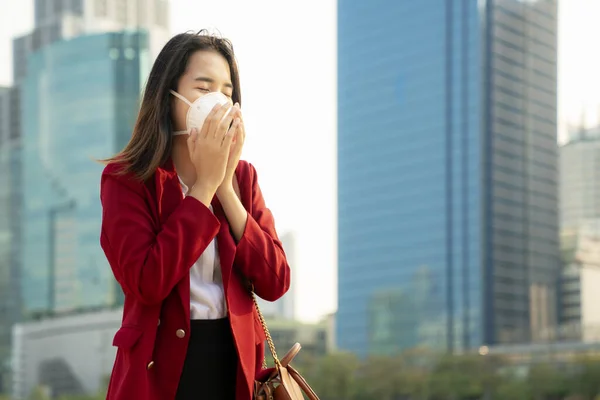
column 150, row 365
column 180, row 333
column 158, row 322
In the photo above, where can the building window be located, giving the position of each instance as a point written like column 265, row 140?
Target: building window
column 55, row 33
column 58, row 7
column 40, row 10
column 121, row 11
column 161, row 10
column 36, row 40
column 142, row 15
column 2, row 124
column 77, row 7
column 15, row 112
column 113, row 54
column 101, row 8
column 129, row 53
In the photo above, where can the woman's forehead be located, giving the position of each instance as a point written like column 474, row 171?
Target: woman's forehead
column 208, row 63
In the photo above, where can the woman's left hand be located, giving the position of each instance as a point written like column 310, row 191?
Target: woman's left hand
column 235, row 153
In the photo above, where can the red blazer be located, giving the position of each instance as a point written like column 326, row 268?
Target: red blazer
column 152, row 236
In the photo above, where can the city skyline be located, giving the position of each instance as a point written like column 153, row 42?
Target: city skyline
column 63, row 267
column 310, row 55
column 460, row 234
column 430, row 167
column 580, row 223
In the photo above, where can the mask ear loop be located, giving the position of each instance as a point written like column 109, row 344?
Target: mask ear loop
column 180, row 97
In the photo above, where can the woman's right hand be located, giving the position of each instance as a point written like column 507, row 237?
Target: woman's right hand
column 209, row 150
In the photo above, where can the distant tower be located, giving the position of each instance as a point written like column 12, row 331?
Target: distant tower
column 447, row 157
column 284, row 308
column 62, row 20
column 138, row 30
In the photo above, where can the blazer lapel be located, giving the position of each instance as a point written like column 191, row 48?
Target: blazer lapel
column 169, row 196
column 225, row 243
column 168, row 190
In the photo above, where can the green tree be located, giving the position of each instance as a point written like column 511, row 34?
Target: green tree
column 39, row 393
column 82, row 397
column 586, row 378
column 467, row 376
column 512, row 387
column 548, row 382
column 332, row 376
column 422, row 375
column 381, row 378
column 416, row 383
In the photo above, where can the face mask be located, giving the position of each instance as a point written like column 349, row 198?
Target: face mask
column 199, row 109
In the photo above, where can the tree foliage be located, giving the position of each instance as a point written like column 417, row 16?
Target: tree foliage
column 421, row 375
column 460, row 377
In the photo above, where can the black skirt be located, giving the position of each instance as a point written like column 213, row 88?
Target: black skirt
column 211, row 362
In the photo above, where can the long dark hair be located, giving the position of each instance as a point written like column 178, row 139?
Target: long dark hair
column 151, row 142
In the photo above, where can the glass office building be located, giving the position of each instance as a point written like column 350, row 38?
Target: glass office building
column 579, row 220
column 447, row 187
column 79, row 103
column 9, row 293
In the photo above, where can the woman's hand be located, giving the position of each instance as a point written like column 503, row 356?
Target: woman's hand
column 209, row 151
column 234, row 209
column 235, row 152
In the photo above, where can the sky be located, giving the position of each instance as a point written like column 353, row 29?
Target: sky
column 288, row 77
column 287, row 58
column 578, row 64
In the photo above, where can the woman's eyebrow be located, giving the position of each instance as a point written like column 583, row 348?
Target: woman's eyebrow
column 210, row 80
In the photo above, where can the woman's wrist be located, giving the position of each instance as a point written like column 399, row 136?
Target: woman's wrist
column 225, row 189
column 236, row 214
column 202, row 193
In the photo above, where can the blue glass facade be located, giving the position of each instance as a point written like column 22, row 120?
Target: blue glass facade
column 415, row 219
column 10, row 211
column 79, row 102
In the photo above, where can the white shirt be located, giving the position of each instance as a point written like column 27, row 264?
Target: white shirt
column 207, row 296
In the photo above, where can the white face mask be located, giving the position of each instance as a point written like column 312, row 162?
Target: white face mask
column 199, row 109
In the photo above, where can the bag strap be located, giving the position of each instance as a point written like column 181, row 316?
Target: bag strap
column 267, row 333
column 302, row 383
column 295, row 375
column 236, row 188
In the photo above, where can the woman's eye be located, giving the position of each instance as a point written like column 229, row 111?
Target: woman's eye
column 204, row 90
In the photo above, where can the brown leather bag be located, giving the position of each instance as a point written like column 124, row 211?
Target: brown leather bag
column 282, row 382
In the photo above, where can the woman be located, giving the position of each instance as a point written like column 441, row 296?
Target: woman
column 180, row 242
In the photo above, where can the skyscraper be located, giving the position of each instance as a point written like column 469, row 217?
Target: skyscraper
column 447, row 181
column 64, row 129
column 7, row 278
column 580, row 179
column 580, row 228
column 59, row 20
column 55, row 21
column 284, row 308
